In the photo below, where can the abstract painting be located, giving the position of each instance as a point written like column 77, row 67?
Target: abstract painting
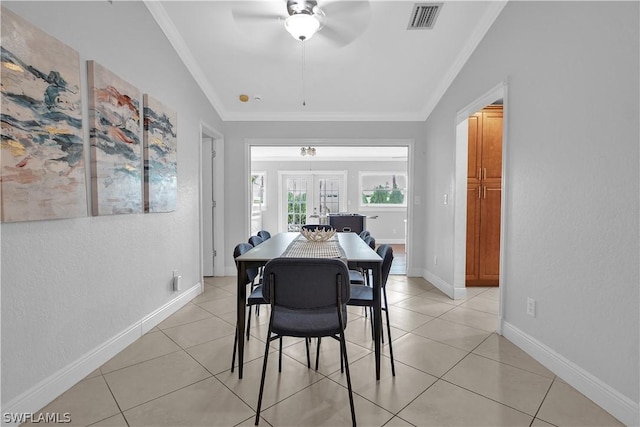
column 116, row 149
column 42, row 152
column 160, row 157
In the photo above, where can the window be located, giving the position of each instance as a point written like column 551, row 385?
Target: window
column 383, row 189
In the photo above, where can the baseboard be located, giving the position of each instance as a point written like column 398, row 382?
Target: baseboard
column 444, row 286
column 612, row 401
column 50, row 388
column 152, row 320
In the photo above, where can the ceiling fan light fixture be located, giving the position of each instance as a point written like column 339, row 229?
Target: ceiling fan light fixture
column 302, row 26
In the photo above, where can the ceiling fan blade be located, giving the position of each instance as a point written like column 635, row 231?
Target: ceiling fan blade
column 345, row 21
column 343, row 8
column 258, row 12
column 249, row 17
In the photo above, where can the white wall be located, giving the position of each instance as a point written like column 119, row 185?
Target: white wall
column 387, row 228
column 572, row 186
column 237, row 170
column 69, row 286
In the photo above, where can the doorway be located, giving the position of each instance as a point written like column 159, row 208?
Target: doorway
column 461, row 192
column 365, row 161
column 211, row 202
column 484, row 191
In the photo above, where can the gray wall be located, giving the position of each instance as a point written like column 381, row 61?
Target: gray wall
column 572, row 195
column 572, row 182
column 70, row 286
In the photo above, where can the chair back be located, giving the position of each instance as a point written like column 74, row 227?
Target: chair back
column 369, row 240
column 364, row 234
column 306, row 283
column 264, row 235
column 255, row 240
column 239, row 250
column 386, row 253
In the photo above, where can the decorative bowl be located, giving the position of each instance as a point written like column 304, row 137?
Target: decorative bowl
column 318, row 235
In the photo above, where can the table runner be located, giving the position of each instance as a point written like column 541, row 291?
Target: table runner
column 303, row 248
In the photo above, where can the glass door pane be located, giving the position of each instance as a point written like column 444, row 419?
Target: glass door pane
column 296, row 210
column 328, row 195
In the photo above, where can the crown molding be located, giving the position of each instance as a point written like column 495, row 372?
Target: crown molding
column 485, row 23
column 159, row 13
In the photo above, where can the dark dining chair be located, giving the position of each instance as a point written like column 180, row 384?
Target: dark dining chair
column 369, row 240
column 308, row 298
column 364, row 234
column 362, row 296
column 264, row 235
column 255, row 240
column 255, row 296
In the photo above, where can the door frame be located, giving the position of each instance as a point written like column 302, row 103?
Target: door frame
column 207, row 131
column 281, row 174
column 460, row 201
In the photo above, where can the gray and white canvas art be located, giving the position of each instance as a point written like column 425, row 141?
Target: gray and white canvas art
column 160, row 157
column 42, row 153
column 116, row 148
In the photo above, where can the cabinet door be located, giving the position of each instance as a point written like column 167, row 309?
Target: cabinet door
column 491, row 151
column 473, row 230
column 489, row 248
column 475, row 132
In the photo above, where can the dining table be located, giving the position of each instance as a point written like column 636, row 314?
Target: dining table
column 352, row 249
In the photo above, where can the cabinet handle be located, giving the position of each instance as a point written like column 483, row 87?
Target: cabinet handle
column 485, row 191
column 479, row 193
column 485, row 173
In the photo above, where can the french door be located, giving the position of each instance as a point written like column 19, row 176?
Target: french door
column 303, row 194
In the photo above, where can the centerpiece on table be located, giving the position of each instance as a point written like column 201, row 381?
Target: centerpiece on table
column 318, row 235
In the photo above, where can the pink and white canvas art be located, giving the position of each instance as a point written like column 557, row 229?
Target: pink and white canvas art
column 160, row 157
column 116, row 148
column 42, row 170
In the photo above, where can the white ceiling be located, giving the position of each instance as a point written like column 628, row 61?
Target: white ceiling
column 364, row 65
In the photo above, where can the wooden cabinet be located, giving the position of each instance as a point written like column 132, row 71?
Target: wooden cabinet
column 484, row 191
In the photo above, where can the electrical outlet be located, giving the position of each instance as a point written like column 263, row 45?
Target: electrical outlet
column 176, row 281
column 435, row 259
column 531, row 307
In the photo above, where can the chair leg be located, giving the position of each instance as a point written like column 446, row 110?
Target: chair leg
column 343, row 357
column 318, row 352
column 280, row 357
column 248, row 323
column 235, row 348
column 264, row 371
column 307, row 340
column 386, row 311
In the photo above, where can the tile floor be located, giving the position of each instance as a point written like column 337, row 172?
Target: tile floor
column 451, row 370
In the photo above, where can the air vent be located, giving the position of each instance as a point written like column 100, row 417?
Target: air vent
column 423, row 16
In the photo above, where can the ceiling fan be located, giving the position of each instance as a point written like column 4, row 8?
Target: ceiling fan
column 339, row 22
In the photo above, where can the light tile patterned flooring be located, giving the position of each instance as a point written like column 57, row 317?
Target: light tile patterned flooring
column 452, row 369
